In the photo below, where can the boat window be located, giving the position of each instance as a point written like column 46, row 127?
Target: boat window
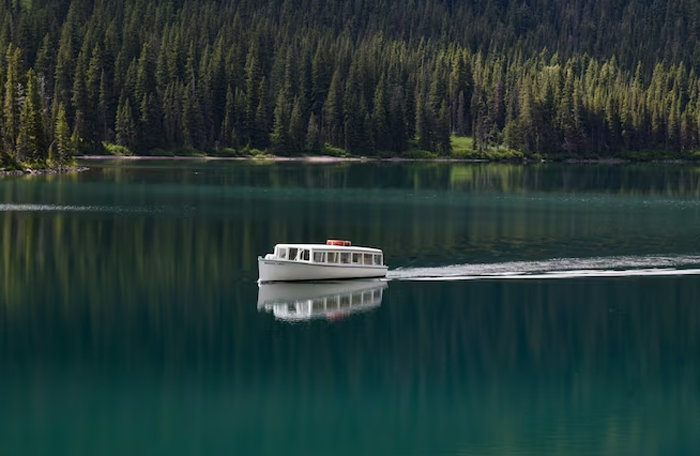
column 345, row 301
column 357, row 258
column 304, row 255
column 368, row 258
column 281, row 252
column 319, row 257
column 345, row 258
column 377, row 259
column 292, row 253
column 332, row 257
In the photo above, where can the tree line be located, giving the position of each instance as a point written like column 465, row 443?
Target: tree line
column 564, row 77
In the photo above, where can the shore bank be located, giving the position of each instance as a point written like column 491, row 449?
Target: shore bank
column 23, row 172
column 363, row 159
column 308, row 159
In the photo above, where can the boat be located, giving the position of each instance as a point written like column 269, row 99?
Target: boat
column 334, row 260
column 328, row 300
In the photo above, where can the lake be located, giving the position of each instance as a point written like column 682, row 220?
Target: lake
column 529, row 310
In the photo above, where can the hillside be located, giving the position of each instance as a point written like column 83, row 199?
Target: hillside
column 552, row 77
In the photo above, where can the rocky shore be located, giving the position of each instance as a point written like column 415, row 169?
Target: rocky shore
column 22, row 172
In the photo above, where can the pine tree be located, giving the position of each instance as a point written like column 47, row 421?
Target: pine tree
column 280, row 130
column 260, row 137
column 443, row 143
column 381, row 136
column 173, row 131
column 14, row 92
column 63, row 145
column 333, row 111
column 253, row 75
column 192, row 120
column 65, row 66
column 149, row 129
column 79, row 99
column 297, row 127
column 126, row 128
column 46, row 61
column 462, row 125
column 356, row 135
column 313, row 134
column 105, row 114
column 31, row 139
column 425, row 125
column 398, row 133
column 95, row 73
column 320, row 79
column 227, row 125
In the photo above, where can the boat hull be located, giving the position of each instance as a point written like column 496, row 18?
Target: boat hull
column 275, row 270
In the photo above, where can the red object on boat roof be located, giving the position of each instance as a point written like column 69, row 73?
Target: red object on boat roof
column 338, row 242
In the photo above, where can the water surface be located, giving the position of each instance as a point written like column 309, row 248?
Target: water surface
column 530, row 310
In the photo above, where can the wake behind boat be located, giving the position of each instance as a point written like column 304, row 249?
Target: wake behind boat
column 333, row 260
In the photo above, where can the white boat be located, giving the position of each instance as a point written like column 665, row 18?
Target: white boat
column 333, row 260
column 330, row 300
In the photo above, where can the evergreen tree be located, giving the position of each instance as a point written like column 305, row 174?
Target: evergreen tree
column 380, row 121
column 14, row 93
column 260, row 135
column 126, row 128
column 443, row 144
column 280, row 130
column 397, row 121
column 425, row 125
column 356, row 135
column 63, row 145
column 79, row 100
column 297, row 127
column 254, row 74
column 227, row 127
column 65, row 65
column 46, row 61
column 149, row 129
column 313, row 134
column 333, row 111
column 31, row 139
column 104, row 109
column 192, row 119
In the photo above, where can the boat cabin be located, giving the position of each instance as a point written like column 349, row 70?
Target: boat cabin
column 331, row 254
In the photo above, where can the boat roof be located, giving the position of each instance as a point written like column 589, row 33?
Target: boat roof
column 335, row 248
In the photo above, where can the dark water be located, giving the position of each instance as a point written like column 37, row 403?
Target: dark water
column 531, row 310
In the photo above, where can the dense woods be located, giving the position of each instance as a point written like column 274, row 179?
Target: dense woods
column 551, row 77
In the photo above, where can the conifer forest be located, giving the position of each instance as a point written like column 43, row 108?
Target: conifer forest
column 554, row 78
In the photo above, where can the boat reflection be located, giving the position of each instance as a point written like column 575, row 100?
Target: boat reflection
column 330, row 300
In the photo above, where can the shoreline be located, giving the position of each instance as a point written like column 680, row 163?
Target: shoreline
column 328, row 159
column 308, row 159
column 363, row 159
column 332, row 159
column 25, row 172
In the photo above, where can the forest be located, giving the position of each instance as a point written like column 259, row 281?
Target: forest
column 547, row 78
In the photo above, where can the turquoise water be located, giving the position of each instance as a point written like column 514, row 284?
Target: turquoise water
column 529, row 310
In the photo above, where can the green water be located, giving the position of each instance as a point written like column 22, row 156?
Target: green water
column 531, row 310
